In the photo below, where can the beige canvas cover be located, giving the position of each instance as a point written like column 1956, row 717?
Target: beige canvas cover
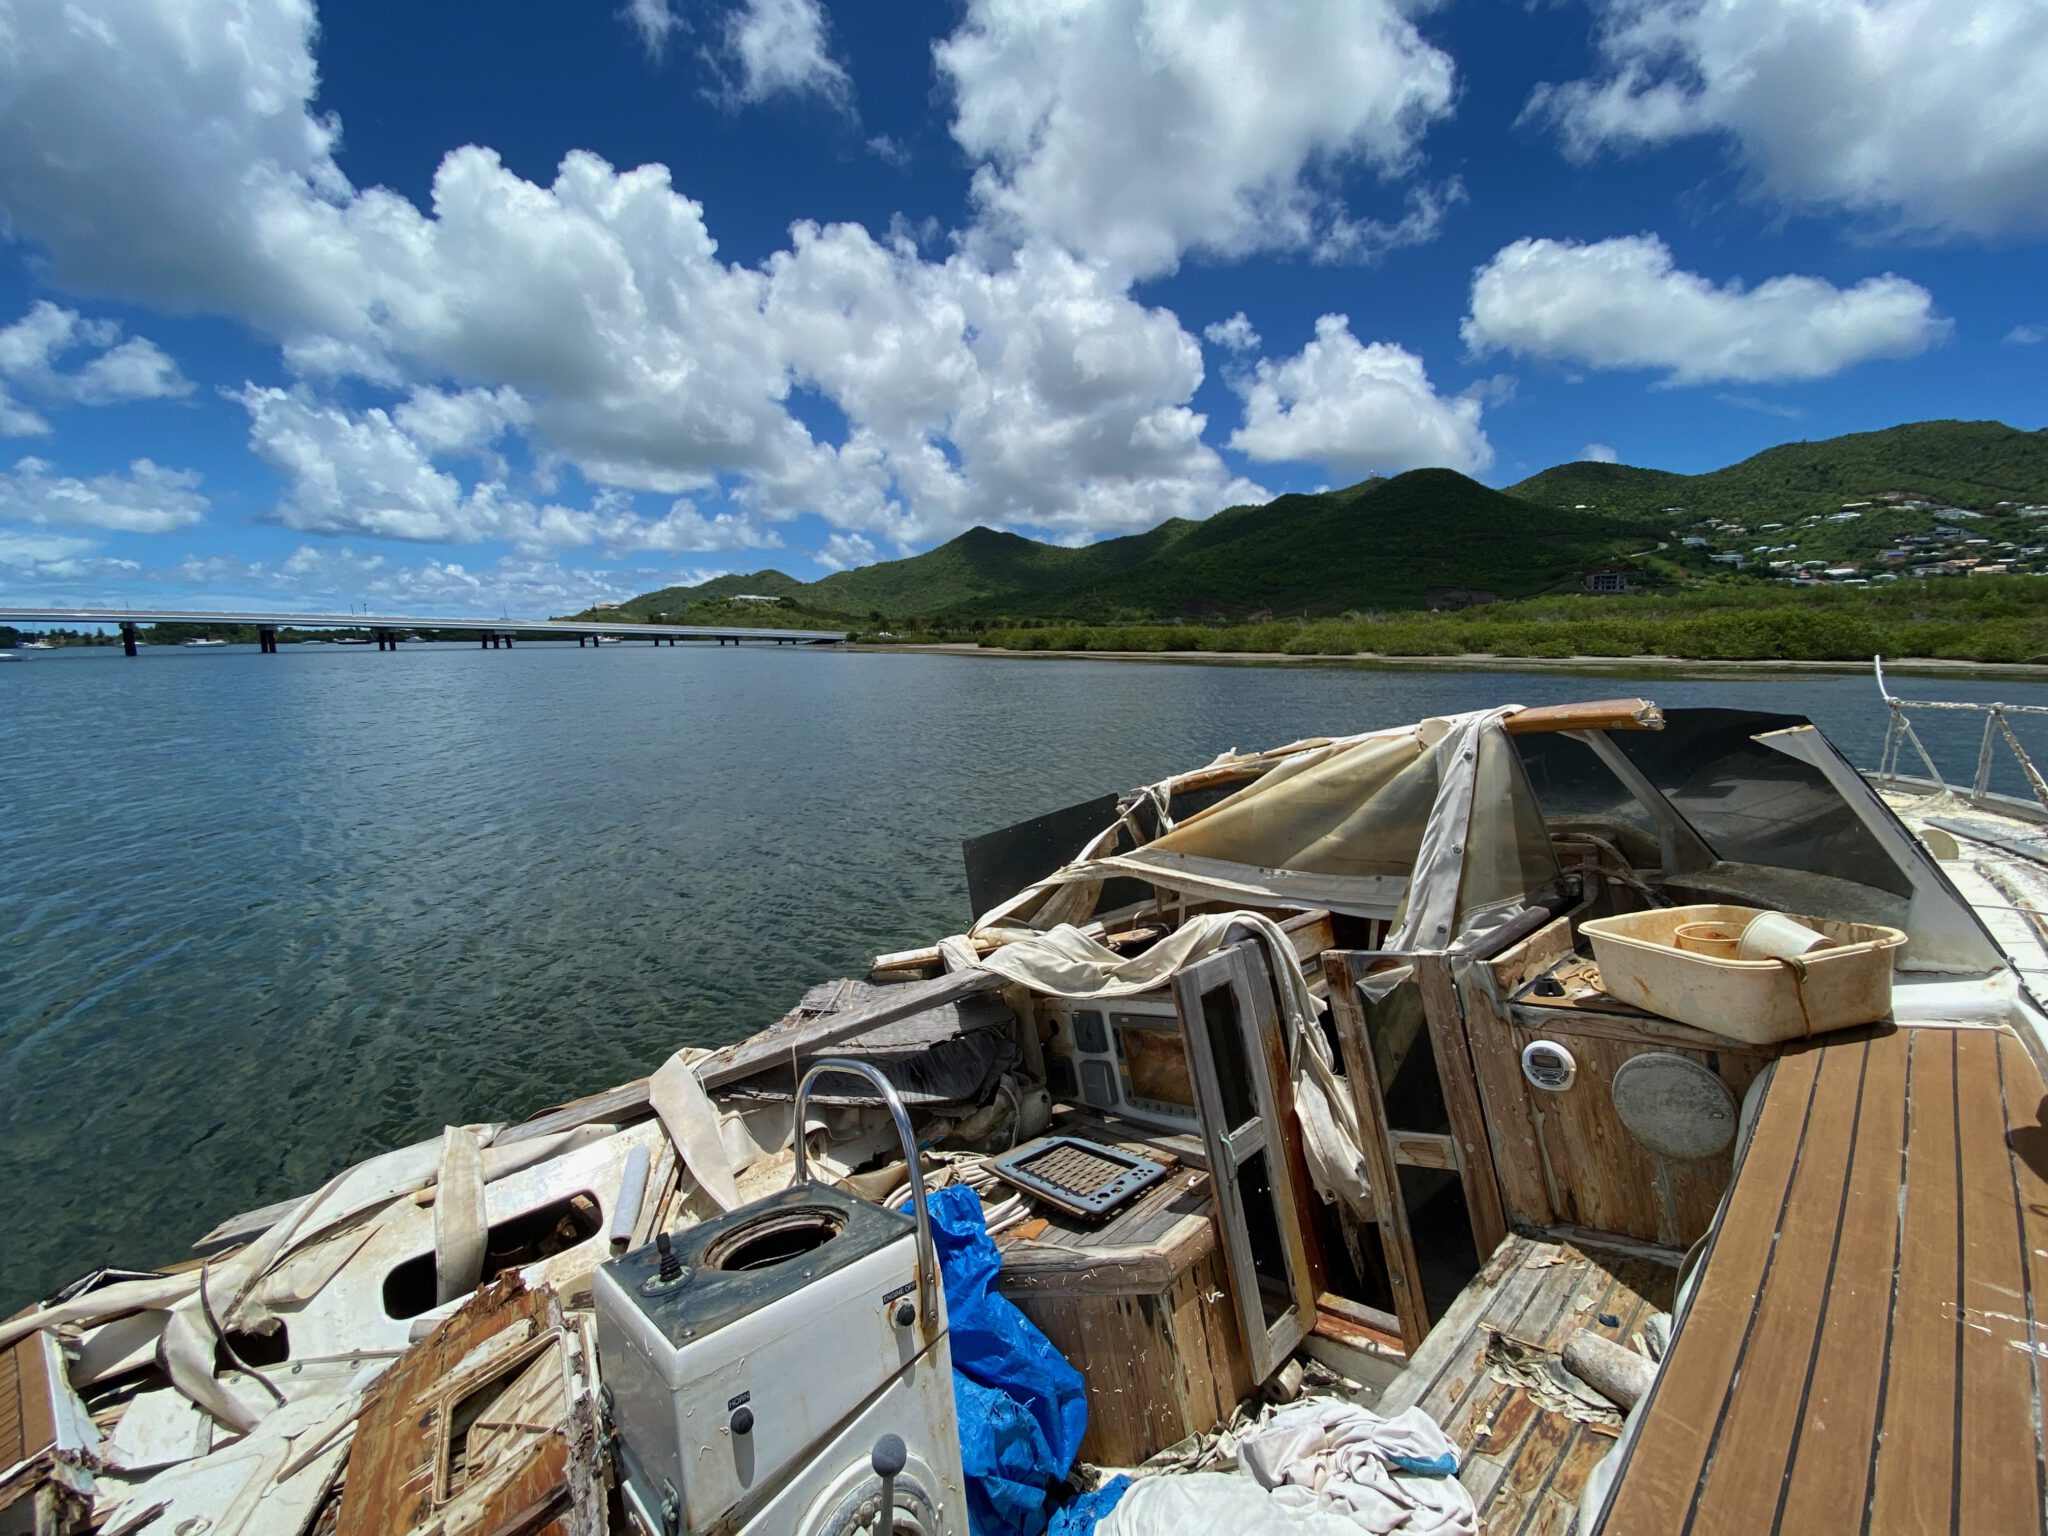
column 1426, row 825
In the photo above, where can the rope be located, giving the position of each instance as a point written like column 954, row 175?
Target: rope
column 1797, row 966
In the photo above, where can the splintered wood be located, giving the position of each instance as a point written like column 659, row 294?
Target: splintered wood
column 1489, row 1373
column 486, row 1426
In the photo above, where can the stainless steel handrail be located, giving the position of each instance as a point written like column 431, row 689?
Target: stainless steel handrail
column 927, row 1255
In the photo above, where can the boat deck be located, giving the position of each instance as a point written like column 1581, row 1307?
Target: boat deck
column 1525, row 1460
column 1864, row 1345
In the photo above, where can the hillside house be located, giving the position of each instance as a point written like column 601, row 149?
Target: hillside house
column 1613, row 580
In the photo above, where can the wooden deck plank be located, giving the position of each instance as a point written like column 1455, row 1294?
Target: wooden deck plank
column 1683, row 1410
column 1452, row 1335
column 13, row 1447
column 2026, row 1140
column 1912, row 1476
column 1889, row 1373
column 1828, row 1466
column 1528, row 1304
column 1998, row 1443
column 1744, row 1476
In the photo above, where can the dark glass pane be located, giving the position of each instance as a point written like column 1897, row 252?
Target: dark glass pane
column 1226, row 1047
column 1262, row 1226
column 1753, row 804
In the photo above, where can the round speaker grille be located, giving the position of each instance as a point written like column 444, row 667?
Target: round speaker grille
column 1674, row 1106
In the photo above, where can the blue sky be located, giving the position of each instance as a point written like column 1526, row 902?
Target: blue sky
column 480, row 307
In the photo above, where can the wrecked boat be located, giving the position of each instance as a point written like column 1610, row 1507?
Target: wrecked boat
column 1342, row 1136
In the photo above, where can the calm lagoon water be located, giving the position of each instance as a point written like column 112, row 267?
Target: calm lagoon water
column 260, row 916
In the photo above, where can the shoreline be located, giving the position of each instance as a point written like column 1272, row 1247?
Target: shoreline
column 1916, row 666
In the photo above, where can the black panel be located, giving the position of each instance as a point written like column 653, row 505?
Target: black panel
column 1000, row 864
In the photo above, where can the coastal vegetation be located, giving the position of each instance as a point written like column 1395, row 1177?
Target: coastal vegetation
column 2004, row 620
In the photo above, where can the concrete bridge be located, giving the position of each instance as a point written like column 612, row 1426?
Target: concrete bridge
column 389, row 629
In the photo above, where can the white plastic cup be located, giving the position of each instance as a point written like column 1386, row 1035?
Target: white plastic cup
column 1774, row 936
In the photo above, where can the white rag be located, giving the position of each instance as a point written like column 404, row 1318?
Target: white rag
column 1203, row 1502
column 1329, row 1455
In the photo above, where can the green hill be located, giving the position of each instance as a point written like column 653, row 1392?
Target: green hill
column 1391, row 544
column 1972, row 464
column 1380, row 544
column 1385, row 544
column 984, row 568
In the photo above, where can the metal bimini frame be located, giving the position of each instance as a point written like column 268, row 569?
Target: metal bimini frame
column 1899, row 734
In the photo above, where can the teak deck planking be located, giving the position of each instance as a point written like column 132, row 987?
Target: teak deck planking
column 1813, row 1383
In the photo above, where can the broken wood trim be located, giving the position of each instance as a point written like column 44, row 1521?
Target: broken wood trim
column 737, row 1062
column 1238, row 1134
column 1349, row 1320
column 1361, row 1073
column 1633, row 1029
column 1511, row 1114
column 1609, row 1242
column 1454, row 1070
column 1593, row 715
column 1424, row 1149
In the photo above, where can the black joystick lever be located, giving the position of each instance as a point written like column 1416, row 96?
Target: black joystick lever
column 671, row 1266
column 887, row 1460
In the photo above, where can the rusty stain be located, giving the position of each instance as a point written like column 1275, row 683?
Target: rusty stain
column 397, row 1469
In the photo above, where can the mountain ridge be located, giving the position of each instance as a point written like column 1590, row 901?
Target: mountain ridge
column 1429, row 537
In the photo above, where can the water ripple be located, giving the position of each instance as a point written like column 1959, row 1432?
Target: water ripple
column 267, row 914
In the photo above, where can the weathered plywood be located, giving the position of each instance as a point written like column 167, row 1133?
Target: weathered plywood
column 1160, row 1365
column 1461, row 1100
column 426, row 1460
column 1361, row 1075
column 1525, row 1465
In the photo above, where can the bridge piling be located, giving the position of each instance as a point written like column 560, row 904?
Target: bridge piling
column 266, row 640
column 128, row 640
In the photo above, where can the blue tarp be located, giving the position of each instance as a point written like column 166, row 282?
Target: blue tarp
column 1090, row 1509
column 1021, row 1407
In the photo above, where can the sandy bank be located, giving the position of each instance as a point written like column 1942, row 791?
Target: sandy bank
column 1476, row 662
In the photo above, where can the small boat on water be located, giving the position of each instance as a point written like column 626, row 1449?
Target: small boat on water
column 1579, row 1118
column 610, row 640
column 39, row 645
column 349, row 640
column 198, row 641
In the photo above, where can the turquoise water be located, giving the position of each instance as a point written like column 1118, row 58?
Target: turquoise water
column 264, row 915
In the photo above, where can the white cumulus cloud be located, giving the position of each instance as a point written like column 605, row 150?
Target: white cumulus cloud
column 1624, row 303
column 168, row 152
column 1132, row 131
column 1233, row 335
column 1598, row 453
column 1357, row 409
column 653, row 21
column 364, row 472
column 147, row 498
column 782, row 48
column 33, row 354
column 844, row 551
column 1924, row 114
column 2026, row 335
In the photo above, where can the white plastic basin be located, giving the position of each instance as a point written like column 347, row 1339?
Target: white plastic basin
column 1759, row 1001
